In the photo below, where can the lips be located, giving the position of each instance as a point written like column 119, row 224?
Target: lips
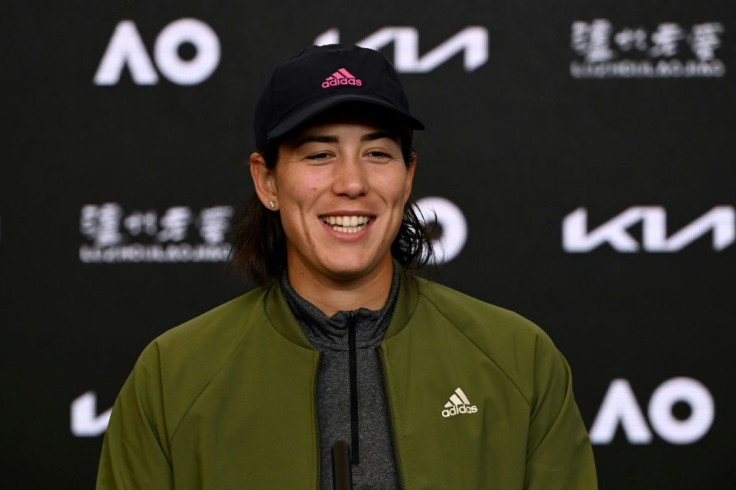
column 347, row 223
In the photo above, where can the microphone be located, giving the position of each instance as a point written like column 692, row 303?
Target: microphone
column 342, row 476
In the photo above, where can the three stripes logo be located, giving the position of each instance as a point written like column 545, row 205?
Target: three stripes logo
column 458, row 404
column 341, row 77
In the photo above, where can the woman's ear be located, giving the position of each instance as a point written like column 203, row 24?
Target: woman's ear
column 263, row 181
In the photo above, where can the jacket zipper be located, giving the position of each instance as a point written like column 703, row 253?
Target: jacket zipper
column 392, row 424
column 353, row 366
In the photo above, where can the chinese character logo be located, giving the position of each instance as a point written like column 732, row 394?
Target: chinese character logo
column 669, row 50
column 176, row 234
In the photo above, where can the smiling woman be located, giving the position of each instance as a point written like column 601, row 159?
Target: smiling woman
column 428, row 387
column 384, row 146
column 341, row 189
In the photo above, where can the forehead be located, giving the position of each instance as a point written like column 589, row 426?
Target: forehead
column 355, row 114
column 335, row 130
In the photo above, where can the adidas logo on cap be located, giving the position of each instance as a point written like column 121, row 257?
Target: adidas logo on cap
column 458, row 404
column 341, row 77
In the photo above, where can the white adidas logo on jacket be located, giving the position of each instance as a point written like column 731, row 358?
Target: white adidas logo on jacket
column 458, row 404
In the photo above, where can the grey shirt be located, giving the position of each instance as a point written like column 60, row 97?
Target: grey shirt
column 376, row 467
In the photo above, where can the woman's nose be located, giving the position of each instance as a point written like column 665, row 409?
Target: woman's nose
column 350, row 178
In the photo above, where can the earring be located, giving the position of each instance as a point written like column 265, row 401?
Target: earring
column 272, row 204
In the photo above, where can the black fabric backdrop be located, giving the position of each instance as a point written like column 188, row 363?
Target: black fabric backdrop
column 115, row 197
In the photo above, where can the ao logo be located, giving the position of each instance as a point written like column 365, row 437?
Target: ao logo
column 452, row 224
column 471, row 41
column 126, row 49
column 620, row 408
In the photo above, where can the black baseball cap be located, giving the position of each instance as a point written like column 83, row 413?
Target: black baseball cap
column 321, row 77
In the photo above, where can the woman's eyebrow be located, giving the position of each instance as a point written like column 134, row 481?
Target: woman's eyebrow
column 378, row 135
column 316, row 138
column 324, row 138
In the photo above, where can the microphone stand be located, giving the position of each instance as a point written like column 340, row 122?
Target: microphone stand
column 342, row 473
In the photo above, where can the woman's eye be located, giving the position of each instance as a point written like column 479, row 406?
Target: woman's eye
column 378, row 154
column 318, row 156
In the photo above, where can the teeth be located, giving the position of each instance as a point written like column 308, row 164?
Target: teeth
column 347, row 224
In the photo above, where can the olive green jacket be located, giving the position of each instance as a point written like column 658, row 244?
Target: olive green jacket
column 479, row 398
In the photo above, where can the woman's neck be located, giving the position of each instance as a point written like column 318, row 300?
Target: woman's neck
column 331, row 295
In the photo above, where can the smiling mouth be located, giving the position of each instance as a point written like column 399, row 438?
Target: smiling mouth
column 347, row 224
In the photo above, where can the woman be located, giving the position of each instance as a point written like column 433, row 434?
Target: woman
column 431, row 388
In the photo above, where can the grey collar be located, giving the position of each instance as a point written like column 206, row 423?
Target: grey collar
column 331, row 333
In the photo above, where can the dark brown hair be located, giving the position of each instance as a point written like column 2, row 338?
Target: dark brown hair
column 259, row 243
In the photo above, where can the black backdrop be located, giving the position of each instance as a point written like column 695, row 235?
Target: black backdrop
column 582, row 154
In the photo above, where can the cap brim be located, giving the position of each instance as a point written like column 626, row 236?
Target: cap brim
column 306, row 113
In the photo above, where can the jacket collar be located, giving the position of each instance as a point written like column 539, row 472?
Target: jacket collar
column 283, row 320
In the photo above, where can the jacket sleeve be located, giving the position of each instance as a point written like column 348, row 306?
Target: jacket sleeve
column 559, row 454
column 135, row 451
